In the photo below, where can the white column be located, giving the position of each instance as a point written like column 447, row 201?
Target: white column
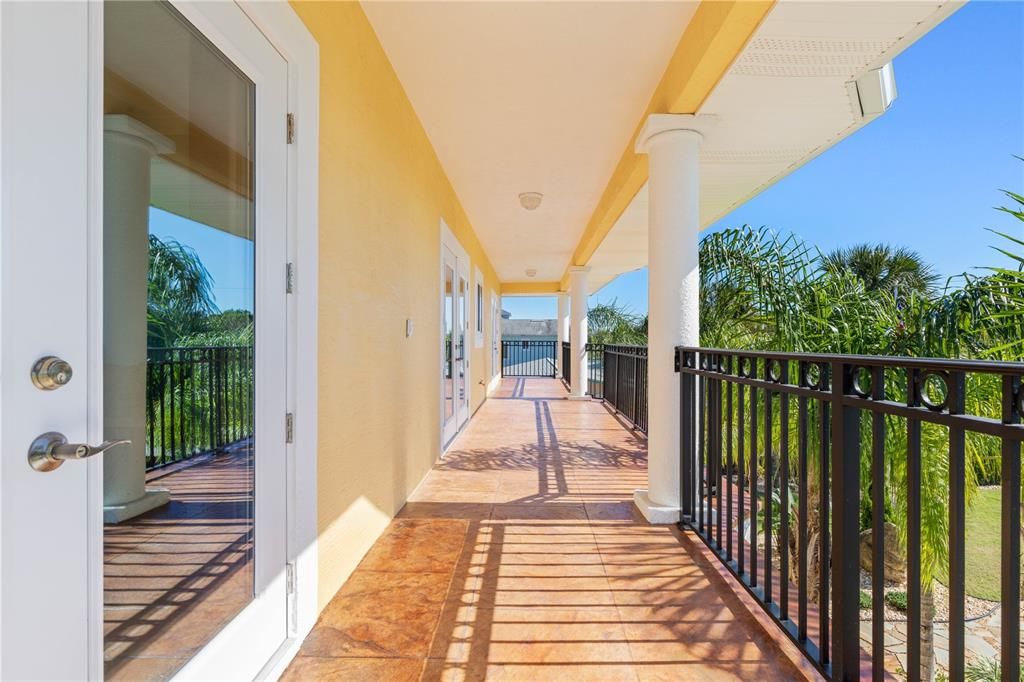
column 578, row 331
column 563, row 329
column 128, row 149
column 673, row 146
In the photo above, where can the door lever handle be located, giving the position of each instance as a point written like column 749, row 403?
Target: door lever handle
column 52, row 449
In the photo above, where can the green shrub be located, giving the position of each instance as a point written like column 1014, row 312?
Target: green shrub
column 984, row 670
column 865, row 599
column 897, row 599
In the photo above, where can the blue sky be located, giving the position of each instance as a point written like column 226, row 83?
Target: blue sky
column 228, row 258
column 926, row 175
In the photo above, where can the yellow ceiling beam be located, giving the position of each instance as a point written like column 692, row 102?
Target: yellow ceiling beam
column 529, row 288
column 713, row 39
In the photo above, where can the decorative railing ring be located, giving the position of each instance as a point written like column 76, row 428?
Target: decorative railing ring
column 860, row 382
column 930, row 384
column 811, row 375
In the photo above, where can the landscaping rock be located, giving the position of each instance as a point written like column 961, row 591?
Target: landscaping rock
column 895, row 562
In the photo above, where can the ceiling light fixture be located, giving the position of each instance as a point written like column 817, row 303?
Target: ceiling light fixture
column 530, row 272
column 530, row 200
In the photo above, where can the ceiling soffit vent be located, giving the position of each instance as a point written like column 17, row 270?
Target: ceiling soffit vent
column 808, row 57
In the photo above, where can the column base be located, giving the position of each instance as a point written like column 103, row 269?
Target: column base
column 579, row 397
column 656, row 514
column 151, row 499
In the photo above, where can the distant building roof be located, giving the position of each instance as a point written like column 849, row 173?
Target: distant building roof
column 529, row 327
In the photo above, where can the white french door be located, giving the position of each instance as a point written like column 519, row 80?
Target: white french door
column 455, row 376
column 495, row 337
column 462, row 357
column 143, row 354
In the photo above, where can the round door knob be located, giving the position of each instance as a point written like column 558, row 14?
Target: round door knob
column 50, row 373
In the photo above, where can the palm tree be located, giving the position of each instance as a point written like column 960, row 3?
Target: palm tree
column 883, row 268
column 763, row 291
column 180, row 296
column 615, row 324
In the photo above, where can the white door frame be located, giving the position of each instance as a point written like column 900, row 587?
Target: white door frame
column 289, row 37
column 256, row 626
column 286, row 32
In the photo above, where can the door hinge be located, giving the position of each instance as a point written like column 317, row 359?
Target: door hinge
column 291, row 128
column 289, row 428
column 289, row 577
column 289, row 278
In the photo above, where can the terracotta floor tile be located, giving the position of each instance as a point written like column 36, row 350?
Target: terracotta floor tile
column 379, row 614
column 468, row 511
column 712, row 672
column 418, row 545
column 445, row 671
column 305, row 668
column 554, row 575
column 150, row 669
column 546, row 512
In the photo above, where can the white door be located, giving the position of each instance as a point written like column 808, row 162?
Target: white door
column 495, row 337
column 462, row 356
column 142, row 238
column 455, row 334
column 449, row 346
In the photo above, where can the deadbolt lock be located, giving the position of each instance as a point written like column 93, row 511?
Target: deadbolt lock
column 50, row 373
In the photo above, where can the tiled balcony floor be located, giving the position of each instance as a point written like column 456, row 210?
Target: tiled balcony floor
column 175, row 576
column 520, row 557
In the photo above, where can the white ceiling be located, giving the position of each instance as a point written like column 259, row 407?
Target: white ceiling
column 529, row 97
column 787, row 98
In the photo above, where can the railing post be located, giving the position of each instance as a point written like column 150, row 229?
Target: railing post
column 1010, row 534
column 845, row 465
column 685, row 438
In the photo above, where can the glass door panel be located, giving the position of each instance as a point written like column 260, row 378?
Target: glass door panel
column 449, row 344
column 462, row 366
column 179, row 340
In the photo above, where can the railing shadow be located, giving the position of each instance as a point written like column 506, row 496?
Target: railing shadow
column 174, row 576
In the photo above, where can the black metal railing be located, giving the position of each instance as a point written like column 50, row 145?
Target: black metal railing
column 623, row 383
column 595, row 370
column 198, row 400
column 567, row 362
column 777, row 492
column 527, row 358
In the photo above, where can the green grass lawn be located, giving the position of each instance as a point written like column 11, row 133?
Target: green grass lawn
column 982, row 578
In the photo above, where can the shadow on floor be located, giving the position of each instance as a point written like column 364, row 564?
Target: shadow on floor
column 521, row 556
column 175, row 576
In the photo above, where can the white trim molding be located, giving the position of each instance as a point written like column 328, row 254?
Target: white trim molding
column 285, row 30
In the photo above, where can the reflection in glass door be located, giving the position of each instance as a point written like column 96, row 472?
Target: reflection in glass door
column 462, row 408
column 455, row 387
column 449, row 345
column 179, row 340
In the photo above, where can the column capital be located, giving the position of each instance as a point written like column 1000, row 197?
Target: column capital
column 657, row 124
column 122, row 124
column 578, row 268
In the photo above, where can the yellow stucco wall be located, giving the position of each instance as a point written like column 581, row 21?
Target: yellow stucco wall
column 382, row 196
